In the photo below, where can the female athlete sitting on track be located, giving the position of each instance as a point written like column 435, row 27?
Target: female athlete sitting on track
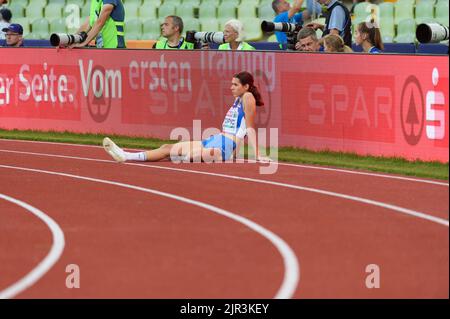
column 238, row 122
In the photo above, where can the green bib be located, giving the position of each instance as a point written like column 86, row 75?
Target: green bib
column 244, row 46
column 163, row 44
column 108, row 35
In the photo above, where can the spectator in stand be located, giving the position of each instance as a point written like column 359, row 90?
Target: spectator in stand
column 291, row 14
column 337, row 21
column 307, row 40
column 333, row 43
column 234, row 35
column 14, row 35
column 171, row 30
column 5, row 19
column 368, row 36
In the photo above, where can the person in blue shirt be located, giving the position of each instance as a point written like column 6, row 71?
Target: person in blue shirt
column 367, row 35
column 287, row 13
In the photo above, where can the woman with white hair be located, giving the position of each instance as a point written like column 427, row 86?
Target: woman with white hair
column 233, row 34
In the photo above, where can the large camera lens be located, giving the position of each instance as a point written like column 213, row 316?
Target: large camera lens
column 268, row 26
column 431, row 33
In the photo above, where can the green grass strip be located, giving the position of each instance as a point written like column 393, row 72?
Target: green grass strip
column 435, row 170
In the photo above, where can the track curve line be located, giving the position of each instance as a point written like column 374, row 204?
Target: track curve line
column 47, row 263
column 291, row 276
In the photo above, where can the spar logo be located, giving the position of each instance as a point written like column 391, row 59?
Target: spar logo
column 100, row 85
column 418, row 112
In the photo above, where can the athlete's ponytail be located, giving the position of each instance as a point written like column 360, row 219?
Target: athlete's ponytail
column 247, row 78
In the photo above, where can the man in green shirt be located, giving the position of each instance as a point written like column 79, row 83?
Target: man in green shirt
column 105, row 24
column 171, row 30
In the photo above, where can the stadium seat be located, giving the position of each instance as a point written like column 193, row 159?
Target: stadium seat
column 41, row 3
column 246, row 11
column 25, row 23
column 252, row 29
column 226, row 10
column 17, row 10
column 185, row 10
column 406, row 31
column 85, row 11
column 151, row 29
column 53, row 11
column 127, row 2
column 61, row 2
column 387, row 29
column 131, row 11
column 192, row 3
column 173, row 2
column 166, row 9
column 207, row 10
column 23, row 3
column 191, row 24
column 209, row 25
column 40, row 29
column 364, row 11
column 133, row 29
column 147, row 11
column 424, row 12
column 386, row 10
column 233, row 3
column 266, row 12
column 58, row 26
column 214, row 2
column 156, row 3
column 403, row 10
column 442, row 12
column 34, row 11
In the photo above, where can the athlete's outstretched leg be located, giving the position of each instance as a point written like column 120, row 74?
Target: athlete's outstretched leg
column 184, row 149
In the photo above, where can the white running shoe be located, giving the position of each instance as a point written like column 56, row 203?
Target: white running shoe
column 115, row 151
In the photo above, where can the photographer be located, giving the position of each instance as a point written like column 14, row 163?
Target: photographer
column 2, row 3
column 337, row 21
column 105, row 24
column 14, row 35
column 307, row 40
column 233, row 35
column 171, row 30
column 290, row 14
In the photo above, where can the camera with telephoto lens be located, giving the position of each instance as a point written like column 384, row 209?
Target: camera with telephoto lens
column 200, row 38
column 64, row 40
column 291, row 30
column 431, row 33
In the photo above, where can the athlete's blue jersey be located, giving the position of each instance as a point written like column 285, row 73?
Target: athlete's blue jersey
column 234, row 122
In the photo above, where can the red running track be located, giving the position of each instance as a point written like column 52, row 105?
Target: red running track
column 325, row 226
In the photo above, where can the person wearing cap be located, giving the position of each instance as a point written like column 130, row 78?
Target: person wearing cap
column 105, row 24
column 2, row 3
column 5, row 18
column 14, row 35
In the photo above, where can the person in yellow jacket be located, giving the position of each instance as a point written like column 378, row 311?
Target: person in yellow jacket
column 233, row 34
column 171, row 30
column 105, row 24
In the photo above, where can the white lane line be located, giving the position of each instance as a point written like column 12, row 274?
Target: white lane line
column 47, row 263
column 395, row 208
column 291, row 265
column 339, row 170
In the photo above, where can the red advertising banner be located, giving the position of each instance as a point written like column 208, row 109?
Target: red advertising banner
column 388, row 105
